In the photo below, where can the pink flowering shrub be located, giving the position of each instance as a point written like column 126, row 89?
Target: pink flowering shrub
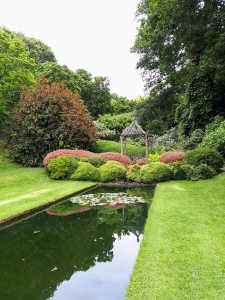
column 67, row 152
column 142, row 161
column 169, row 157
column 125, row 160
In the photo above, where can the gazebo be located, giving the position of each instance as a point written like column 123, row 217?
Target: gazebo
column 134, row 130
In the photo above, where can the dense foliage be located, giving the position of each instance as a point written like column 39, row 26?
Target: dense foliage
column 170, row 156
column 59, row 167
column 207, row 156
column 16, row 70
column 47, row 117
column 215, row 138
column 117, row 123
column 134, row 173
column 155, row 172
column 112, row 171
column 181, row 48
column 93, row 158
column 86, row 172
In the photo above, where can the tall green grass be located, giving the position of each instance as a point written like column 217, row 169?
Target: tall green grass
column 182, row 251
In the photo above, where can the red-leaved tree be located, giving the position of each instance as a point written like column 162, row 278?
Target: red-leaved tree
column 48, row 117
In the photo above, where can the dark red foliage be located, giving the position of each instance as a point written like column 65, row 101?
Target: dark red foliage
column 125, row 160
column 49, row 116
column 142, row 161
column 169, row 157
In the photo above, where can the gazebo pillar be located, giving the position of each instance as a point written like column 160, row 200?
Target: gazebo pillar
column 146, row 145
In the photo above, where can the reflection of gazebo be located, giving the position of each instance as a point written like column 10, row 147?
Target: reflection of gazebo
column 136, row 230
column 134, row 130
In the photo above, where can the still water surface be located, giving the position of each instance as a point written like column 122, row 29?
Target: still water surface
column 84, row 256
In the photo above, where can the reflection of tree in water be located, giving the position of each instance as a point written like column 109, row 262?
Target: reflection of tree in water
column 73, row 243
column 135, row 216
column 31, row 249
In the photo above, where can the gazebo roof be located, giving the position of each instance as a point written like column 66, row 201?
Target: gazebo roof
column 133, row 130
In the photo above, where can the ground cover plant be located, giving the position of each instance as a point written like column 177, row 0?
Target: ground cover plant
column 182, row 251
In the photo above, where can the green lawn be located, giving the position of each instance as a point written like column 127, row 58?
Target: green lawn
column 182, row 252
column 22, row 189
column 112, row 146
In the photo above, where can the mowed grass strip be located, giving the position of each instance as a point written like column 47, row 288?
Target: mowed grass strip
column 182, row 251
column 22, row 189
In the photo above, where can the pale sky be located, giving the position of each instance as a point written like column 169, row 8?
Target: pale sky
column 95, row 35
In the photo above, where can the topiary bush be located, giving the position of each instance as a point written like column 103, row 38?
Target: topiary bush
column 177, row 170
column 154, row 157
column 125, row 160
column 112, row 171
column 142, row 161
column 133, row 173
column 74, row 163
column 169, row 157
column 67, row 152
column 59, row 167
column 96, row 161
column 206, row 156
column 202, row 171
column 155, row 172
column 86, row 172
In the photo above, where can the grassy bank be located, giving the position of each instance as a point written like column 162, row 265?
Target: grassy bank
column 22, row 189
column 182, row 251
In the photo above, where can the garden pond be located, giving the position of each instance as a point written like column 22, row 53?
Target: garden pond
column 75, row 250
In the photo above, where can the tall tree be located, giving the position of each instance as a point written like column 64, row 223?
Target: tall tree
column 16, row 70
column 39, row 51
column 121, row 104
column 95, row 92
column 47, row 116
column 180, row 43
column 57, row 73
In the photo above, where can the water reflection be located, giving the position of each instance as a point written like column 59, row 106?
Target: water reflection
column 85, row 255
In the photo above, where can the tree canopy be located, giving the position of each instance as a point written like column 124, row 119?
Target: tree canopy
column 57, row 73
column 95, row 92
column 48, row 117
column 16, row 69
column 180, row 44
column 39, row 51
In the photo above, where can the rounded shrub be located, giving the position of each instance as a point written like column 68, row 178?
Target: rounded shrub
column 125, row 160
column 59, row 167
column 86, row 172
column 154, row 157
column 142, row 161
column 178, row 172
column 169, row 157
column 74, row 163
column 201, row 171
column 206, row 156
column 155, row 172
column 112, row 171
column 133, row 173
column 96, row 161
